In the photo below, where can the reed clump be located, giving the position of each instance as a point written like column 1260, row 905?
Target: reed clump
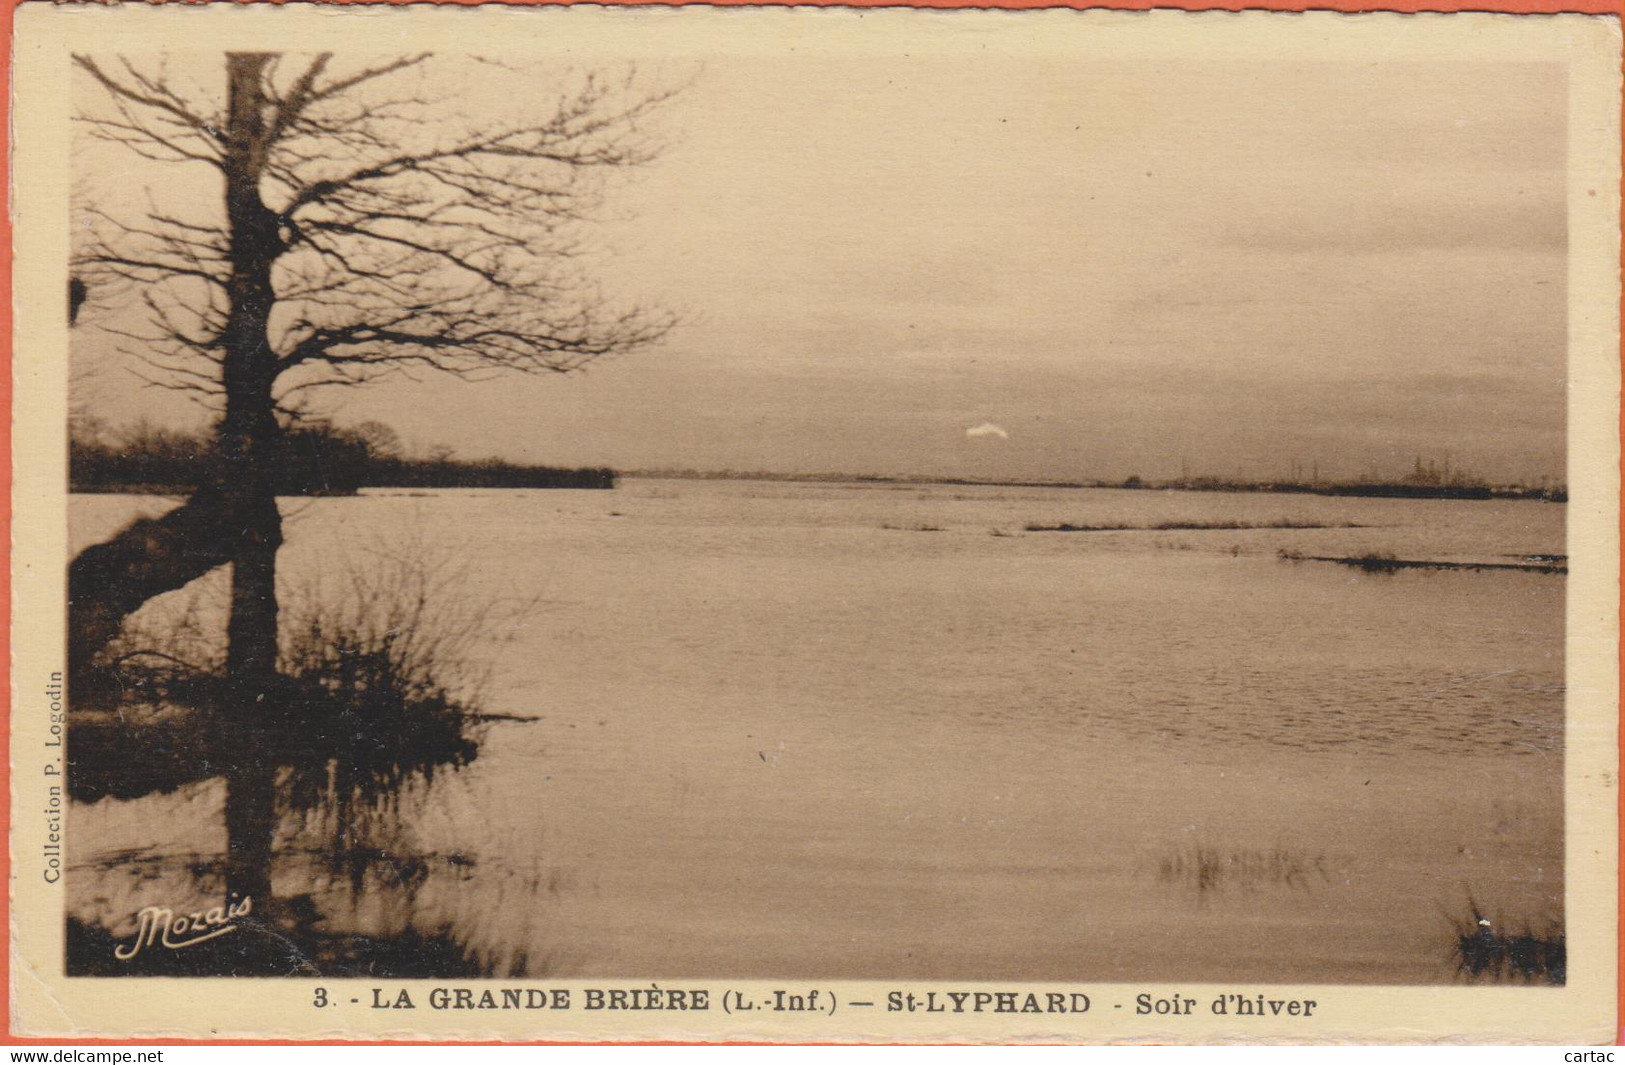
column 1502, row 951
column 379, row 683
column 1209, row 869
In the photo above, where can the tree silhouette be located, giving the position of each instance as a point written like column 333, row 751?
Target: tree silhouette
column 381, row 440
column 361, row 231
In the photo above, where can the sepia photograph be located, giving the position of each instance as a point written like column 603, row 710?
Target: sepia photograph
column 786, row 509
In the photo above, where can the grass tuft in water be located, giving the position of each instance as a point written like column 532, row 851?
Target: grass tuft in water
column 1209, row 869
column 1491, row 951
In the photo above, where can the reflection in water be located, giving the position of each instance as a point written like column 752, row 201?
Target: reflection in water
column 355, row 894
column 374, row 701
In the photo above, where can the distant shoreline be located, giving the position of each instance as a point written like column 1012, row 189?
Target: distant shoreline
column 1373, row 490
column 338, row 482
column 314, row 459
column 462, row 476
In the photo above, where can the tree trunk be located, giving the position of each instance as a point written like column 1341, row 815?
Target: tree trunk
column 249, row 441
column 254, row 712
column 108, row 581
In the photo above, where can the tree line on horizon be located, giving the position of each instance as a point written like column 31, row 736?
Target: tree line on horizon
column 315, row 459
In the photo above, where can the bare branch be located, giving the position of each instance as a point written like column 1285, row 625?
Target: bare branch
column 152, row 94
column 406, row 239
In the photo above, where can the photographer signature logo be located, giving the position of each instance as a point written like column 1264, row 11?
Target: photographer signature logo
column 160, row 926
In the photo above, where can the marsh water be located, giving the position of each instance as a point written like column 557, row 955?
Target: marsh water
column 885, row 731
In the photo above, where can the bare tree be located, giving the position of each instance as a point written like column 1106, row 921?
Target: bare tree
column 360, row 233
column 381, row 440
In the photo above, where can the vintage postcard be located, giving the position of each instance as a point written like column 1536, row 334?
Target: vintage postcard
column 814, row 525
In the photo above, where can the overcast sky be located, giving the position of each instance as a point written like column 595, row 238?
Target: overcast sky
column 1124, row 268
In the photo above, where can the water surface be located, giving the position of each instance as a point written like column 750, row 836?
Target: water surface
column 880, row 731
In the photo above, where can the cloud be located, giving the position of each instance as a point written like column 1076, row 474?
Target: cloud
column 976, row 432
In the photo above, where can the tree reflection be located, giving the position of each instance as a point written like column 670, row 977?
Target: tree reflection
column 382, row 686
